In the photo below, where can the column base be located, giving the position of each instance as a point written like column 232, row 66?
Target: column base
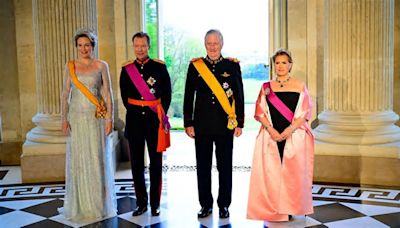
column 42, row 162
column 357, row 164
column 358, row 129
column 45, row 162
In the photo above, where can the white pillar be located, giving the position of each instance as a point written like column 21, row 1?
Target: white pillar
column 358, row 77
column 278, row 22
column 55, row 22
column 358, row 118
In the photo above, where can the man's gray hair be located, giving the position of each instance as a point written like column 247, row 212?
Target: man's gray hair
column 214, row 31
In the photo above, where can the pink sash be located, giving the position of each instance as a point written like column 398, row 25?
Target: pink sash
column 144, row 90
column 277, row 103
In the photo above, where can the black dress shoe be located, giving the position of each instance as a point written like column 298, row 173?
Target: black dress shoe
column 224, row 212
column 139, row 210
column 204, row 212
column 290, row 217
column 155, row 211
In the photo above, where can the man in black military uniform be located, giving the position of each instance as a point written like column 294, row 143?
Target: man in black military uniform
column 142, row 123
column 206, row 120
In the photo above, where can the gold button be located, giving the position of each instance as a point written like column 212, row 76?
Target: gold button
column 141, row 75
column 212, row 98
column 143, row 113
column 213, row 102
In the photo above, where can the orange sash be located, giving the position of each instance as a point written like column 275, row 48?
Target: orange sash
column 101, row 110
column 163, row 141
column 216, row 88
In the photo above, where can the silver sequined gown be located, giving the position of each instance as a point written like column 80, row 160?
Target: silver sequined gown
column 89, row 184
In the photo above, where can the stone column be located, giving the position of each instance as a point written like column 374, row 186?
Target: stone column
column 54, row 23
column 278, row 24
column 356, row 128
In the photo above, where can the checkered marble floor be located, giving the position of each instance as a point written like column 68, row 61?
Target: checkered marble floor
column 35, row 205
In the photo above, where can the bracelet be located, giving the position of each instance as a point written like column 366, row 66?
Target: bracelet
column 266, row 127
column 293, row 128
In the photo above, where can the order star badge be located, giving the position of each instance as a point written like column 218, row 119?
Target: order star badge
column 225, row 85
column 151, row 81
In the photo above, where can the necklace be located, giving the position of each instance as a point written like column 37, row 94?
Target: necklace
column 283, row 82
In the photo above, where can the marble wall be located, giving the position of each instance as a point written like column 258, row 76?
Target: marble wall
column 17, row 77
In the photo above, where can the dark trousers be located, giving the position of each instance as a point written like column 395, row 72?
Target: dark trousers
column 137, row 140
column 223, row 152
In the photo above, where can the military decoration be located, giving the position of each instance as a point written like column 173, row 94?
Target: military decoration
column 232, row 122
column 229, row 93
column 152, row 91
column 267, row 91
column 225, row 75
column 151, row 81
column 225, row 85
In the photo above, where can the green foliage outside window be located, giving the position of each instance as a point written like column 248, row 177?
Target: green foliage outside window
column 179, row 49
column 151, row 26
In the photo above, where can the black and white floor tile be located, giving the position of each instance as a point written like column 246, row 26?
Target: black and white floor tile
column 35, row 205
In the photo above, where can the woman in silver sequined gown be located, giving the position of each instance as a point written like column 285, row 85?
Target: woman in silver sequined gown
column 89, row 184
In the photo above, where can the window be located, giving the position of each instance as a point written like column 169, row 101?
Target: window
column 183, row 24
column 151, row 26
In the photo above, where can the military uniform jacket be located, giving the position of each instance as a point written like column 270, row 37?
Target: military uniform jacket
column 201, row 107
column 156, row 76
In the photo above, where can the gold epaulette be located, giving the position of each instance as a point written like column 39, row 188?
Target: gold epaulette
column 159, row 61
column 235, row 60
column 195, row 59
column 127, row 63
